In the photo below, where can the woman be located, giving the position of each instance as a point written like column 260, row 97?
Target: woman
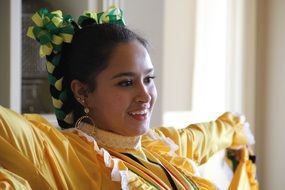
column 101, row 82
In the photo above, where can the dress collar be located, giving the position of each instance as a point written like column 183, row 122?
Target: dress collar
column 109, row 139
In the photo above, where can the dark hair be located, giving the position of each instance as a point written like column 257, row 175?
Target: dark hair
column 85, row 57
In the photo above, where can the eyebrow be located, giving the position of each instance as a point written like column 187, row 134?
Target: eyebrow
column 130, row 74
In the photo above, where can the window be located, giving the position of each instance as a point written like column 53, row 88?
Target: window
column 209, row 64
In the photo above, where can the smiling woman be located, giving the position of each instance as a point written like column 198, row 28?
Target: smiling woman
column 128, row 79
column 103, row 92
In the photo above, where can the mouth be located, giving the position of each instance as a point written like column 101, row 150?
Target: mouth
column 139, row 115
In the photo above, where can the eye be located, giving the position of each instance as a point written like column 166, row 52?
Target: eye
column 149, row 79
column 125, row 83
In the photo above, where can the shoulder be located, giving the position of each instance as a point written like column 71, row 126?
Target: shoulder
column 13, row 124
column 23, row 131
column 158, row 140
column 16, row 124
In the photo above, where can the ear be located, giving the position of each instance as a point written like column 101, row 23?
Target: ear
column 79, row 89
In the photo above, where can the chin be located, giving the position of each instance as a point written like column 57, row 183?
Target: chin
column 142, row 131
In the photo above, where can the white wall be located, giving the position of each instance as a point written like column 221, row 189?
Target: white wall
column 270, row 105
column 10, row 54
column 74, row 8
column 178, row 55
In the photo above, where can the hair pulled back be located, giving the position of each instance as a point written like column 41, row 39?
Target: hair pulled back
column 85, row 57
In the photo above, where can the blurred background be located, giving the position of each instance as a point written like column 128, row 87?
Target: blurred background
column 210, row 56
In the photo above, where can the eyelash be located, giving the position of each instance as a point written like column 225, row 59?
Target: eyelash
column 148, row 79
column 127, row 83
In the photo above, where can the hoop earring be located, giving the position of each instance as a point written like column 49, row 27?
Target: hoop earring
column 86, row 116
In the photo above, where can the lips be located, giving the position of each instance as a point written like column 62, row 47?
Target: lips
column 139, row 115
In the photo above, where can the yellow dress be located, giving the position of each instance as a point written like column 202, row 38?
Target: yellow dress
column 35, row 155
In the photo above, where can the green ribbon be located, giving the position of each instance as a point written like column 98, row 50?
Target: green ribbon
column 113, row 16
column 50, row 30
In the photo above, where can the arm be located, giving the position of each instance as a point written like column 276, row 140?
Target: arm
column 22, row 147
column 18, row 134
column 200, row 141
column 48, row 159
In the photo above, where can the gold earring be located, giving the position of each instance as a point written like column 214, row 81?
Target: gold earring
column 84, row 117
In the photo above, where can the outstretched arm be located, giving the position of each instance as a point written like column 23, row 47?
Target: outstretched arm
column 202, row 140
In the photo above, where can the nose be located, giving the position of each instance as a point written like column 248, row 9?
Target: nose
column 143, row 95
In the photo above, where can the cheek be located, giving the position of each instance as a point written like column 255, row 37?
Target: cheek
column 121, row 101
column 115, row 102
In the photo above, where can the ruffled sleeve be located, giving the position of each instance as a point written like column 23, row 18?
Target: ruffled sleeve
column 200, row 141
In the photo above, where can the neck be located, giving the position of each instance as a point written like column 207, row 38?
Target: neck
column 110, row 139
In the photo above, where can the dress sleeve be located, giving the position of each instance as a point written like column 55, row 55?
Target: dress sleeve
column 45, row 157
column 23, row 150
column 25, row 136
column 18, row 137
column 199, row 141
column 11, row 181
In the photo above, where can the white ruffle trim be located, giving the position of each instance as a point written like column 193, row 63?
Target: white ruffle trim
column 248, row 133
column 246, row 128
column 116, row 173
column 195, row 167
column 169, row 142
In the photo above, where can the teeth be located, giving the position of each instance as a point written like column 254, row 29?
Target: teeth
column 139, row 112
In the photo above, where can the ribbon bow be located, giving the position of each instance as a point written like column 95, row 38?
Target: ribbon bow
column 50, row 30
column 113, row 16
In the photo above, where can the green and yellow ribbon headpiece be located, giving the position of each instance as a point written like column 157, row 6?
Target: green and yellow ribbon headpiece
column 50, row 30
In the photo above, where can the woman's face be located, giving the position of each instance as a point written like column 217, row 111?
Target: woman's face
column 125, row 92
